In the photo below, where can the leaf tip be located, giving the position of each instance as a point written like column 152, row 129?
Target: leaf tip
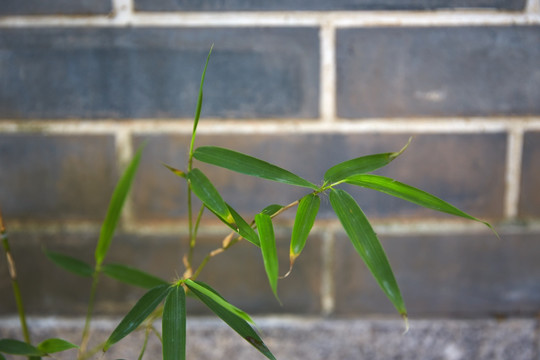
column 396, row 154
column 406, row 323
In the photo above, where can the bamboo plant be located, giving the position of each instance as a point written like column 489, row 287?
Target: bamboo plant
column 259, row 232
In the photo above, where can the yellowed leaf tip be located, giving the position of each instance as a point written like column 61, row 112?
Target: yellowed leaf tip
column 396, row 154
column 406, row 320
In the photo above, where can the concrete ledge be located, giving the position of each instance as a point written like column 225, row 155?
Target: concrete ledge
column 301, row 338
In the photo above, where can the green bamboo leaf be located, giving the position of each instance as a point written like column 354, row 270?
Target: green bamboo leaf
column 231, row 318
column 411, row 194
column 268, row 250
column 207, row 193
column 243, row 228
column 303, row 223
column 115, row 208
column 17, row 347
column 132, row 276
column 71, row 264
column 175, row 171
column 360, row 165
column 54, row 345
column 201, row 288
column 248, row 165
column 2, row 357
column 199, row 103
column 365, row 242
column 142, row 309
column 174, row 325
column 271, row 209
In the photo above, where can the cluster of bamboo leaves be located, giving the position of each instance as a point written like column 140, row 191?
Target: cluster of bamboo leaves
column 259, row 232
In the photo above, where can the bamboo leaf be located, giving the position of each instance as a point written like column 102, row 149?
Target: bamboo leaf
column 199, row 103
column 303, row 223
column 411, row 194
column 360, row 165
column 17, row 347
column 2, row 357
column 174, row 325
column 268, row 250
column 201, row 288
column 176, row 171
column 365, row 242
column 231, row 318
column 54, row 345
column 243, row 228
column 271, row 209
column 132, row 276
column 115, row 207
column 203, row 188
column 142, row 309
column 71, row 264
column 248, row 165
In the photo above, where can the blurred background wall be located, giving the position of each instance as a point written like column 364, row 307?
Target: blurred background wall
column 302, row 84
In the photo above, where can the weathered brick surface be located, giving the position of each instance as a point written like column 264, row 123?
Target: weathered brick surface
column 56, row 177
column 459, row 71
column 246, row 5
column 238, row 274
column 464, row 169
column 474, row 275
column 155, row 72
column 529, row 202
column 55, row 7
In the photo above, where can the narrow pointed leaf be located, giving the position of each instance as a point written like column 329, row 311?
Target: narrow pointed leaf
column 199, row 103
column 268, row 249
column 231, row 318
column 365, row 242
column 207, row 193
column 54, row 345
column 243, row 228
column 174, row 325
column 115, row 208
column 71, row 264
column 248, row 165
column 303, row 223
column 175, row 171
column 142, row 309
column 132, row 276
column 17, row 347
column 270, row 210
column 409, row 193
column 360, row 165
column 201, row 288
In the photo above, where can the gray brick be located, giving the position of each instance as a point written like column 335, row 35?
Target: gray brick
column 529, row 202
column 464, row 169
column 459, row 71
column 54, row 7
column 247, row 5
column 155, row 72
column 56, row 177
column 446, row 275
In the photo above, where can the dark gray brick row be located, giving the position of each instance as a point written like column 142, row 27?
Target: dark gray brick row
column 249, row 5
column 155, row 72
column 442, row 71
column 529, row 202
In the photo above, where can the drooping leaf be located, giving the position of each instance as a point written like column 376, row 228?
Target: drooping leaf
column 411, row 194
column 207, row 193
column 54, row 345
column 268, row 249
column 367, row 244
column 132, row 276
column 303, row 223
column 271, row 209
column 360, row 165
column 174, row 325
column 140, row 311
column 71, row 264
column 17, row 347
column 202, row 288
column 115, row 208
column 231, row 318
column 243, row 228
column 248, row 165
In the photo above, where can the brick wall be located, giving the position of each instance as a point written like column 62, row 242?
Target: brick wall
column 303, row 84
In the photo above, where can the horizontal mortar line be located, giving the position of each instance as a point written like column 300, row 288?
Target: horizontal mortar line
column 273, row 126
column 282, row 18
